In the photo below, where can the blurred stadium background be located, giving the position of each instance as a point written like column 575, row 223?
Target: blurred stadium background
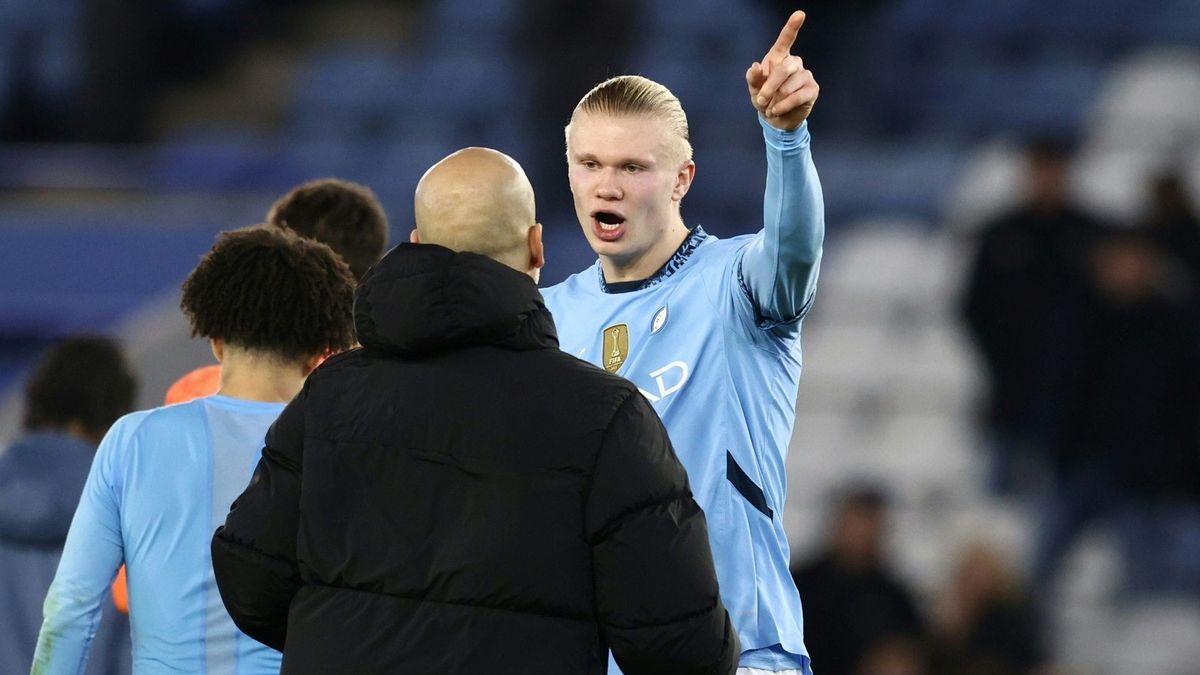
column 134, row 130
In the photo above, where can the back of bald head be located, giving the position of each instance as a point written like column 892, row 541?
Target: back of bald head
column 477, row 200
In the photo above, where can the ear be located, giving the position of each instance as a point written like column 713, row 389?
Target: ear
column 683, row 180
column 218, row 348
column 414, row 237
column 537, row 252
column 310, row 364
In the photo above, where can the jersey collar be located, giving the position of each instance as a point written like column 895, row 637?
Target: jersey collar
column 690, row 243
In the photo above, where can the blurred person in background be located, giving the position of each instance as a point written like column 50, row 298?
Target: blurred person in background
column 341, row 214
column 459, row 495
column 1173, row 223
column 708, row 329
column 163, row 479
column 851, row 587
column 1131, row 450
column 893, row 655
column 986, row 623
column 1023, row 306
column 77, row 390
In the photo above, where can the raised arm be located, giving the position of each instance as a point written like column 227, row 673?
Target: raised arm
column 779, row 268
column 93, row 552
column 254, row 553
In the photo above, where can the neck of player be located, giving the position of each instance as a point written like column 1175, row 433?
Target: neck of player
column 250, row 376
column 643, row 264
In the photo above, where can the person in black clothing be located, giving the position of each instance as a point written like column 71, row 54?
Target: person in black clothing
column 988, row 625
column 458, row 495
column 1023, row 306
column 1173, row 223
column 850, row 587
column 1131, row 448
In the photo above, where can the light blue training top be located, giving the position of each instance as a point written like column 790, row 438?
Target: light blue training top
column 713, row 341
column 161, row 483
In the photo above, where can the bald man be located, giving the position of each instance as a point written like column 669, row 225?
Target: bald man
column 479, row 200
column 458, row 495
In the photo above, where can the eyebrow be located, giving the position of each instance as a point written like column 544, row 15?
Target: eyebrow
column 641, row 161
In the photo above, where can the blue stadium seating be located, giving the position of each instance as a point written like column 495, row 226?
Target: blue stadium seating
column 706, row 30
column 469, row 27
column 113, row 267
column 1173, row 22
column 867, row 180
column 349, row 92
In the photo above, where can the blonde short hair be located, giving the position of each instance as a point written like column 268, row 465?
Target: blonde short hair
column 636, row 95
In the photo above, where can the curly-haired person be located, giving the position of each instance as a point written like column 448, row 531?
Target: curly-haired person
column 271, row 303
column 344, row 215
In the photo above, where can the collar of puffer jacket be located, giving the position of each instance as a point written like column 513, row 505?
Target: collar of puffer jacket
column 423, row 298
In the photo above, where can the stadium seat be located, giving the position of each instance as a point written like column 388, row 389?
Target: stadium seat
column 114, row 267
column 1158, row 637
column 1148, row 101
column 711, row 30
column 458, row 27
column 219, row 162
column 1173, row 22
column 351, row 84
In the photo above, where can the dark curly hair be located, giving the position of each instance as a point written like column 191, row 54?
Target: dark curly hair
column 345, row 215
column 268, row 289
column 84, row 379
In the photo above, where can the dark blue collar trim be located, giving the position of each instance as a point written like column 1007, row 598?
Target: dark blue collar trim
column 677, row 261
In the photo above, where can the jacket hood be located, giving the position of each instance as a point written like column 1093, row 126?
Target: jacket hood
column 424, row 298
column 41, row 478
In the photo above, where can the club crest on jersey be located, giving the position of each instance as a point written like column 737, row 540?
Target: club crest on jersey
column 660, row 320
column 616, row 347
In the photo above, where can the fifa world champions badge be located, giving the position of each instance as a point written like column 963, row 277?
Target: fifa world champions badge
column 616, row 347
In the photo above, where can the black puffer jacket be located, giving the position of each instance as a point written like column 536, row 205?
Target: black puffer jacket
column 459, row 496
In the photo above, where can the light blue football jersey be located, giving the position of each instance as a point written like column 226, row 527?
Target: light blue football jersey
column 161, row 483
column 713, row 341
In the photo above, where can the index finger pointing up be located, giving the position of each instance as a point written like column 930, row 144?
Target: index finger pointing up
column 787, row 36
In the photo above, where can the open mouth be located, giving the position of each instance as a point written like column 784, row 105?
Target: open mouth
column 608, row 220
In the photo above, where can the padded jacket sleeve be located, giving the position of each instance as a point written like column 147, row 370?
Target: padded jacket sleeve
column 657, row 599
column 254, row 553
